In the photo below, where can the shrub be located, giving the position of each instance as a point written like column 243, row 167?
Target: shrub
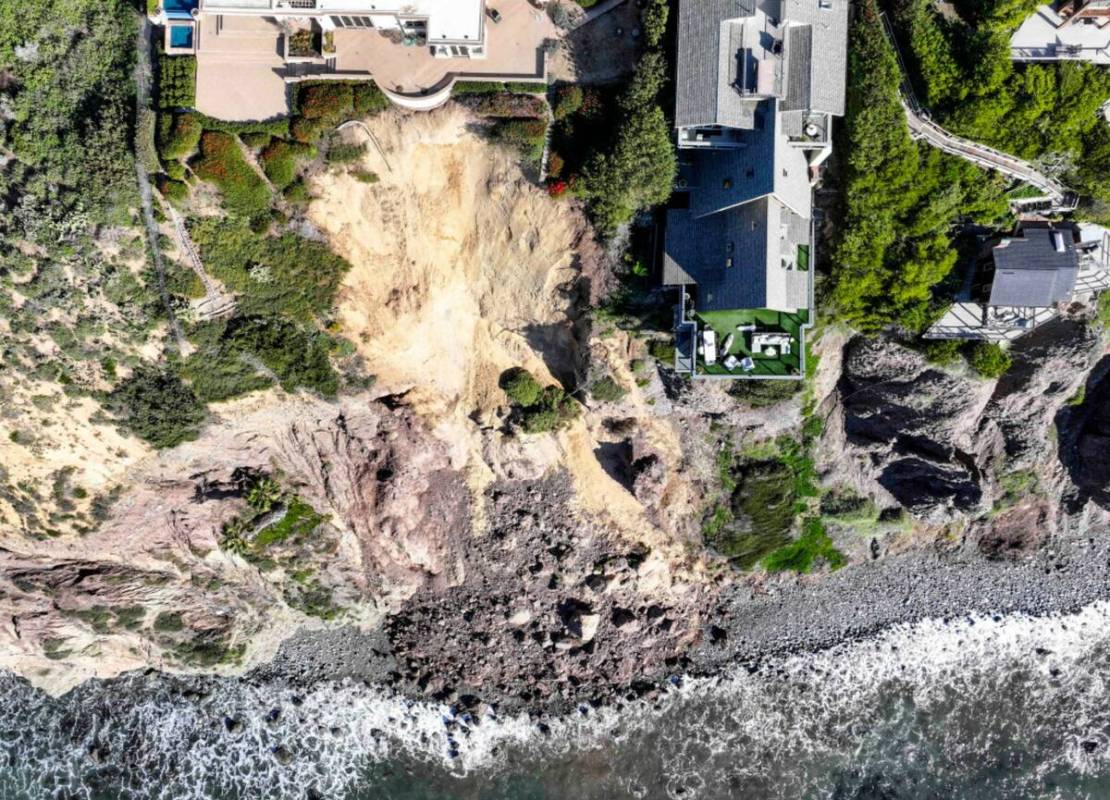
column 540, row 409
column 156, row 406
column 226, row 362
column 308, row 130
column 803, row 554
column 255, row 140
column 173, row 190
column 523, row 389
column 989, row 359
column 555, row 165
column 298, row 357
column 297, row 193
column 345, row 152
column 554, row 409
column 325, row 101
column 607, row 390
column 279, row 161
column 177, row 82
column 169, row 622
column 941, row 351
column 178, row 135
column 369, row 99
column 222, row 163
column 568, row 100
column 477, row 87
column 526, row 87
column 287, row 275
column 175, row 170
column 365, row 176
column 653, row 18
column 527, row 135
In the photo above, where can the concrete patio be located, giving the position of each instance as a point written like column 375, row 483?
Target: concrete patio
column 514, row 47
column 240, row 71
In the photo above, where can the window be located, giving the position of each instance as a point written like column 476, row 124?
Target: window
column 825, row 4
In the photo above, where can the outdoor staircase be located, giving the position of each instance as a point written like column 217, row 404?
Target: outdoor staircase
column 922, row 127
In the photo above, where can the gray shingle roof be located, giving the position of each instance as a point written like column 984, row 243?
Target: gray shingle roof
column 1030, row 271
column 799, row 68
column 698, row 252
column 701, row 70
column 829, row 22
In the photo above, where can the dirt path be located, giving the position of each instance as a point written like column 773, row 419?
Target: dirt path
column 142, row 101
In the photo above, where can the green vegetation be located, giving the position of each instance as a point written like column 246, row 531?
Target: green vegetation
column 653, row 20
column 169, row 622
column 300, row 519
column 178, row 135
column 345, row 152
column 324, row 105
column 901, row 198
column 177, row 82
column 527, row 135
column 989, row 359
column 538, row 410
column 1048, row 112
column 222, row 163
column 568, row 101
column 279, row 160
column 494, row 87
column 638, row 169
column 803, row 554
column 607, row 390
column 521, row 388
column 1015, row 485
column 67, row 99
column 156, row 406
column 287, row 275
column 764, row 489
column 227, row 364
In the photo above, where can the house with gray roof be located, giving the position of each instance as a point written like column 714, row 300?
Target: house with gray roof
column 758, row 83
column 1030, row 276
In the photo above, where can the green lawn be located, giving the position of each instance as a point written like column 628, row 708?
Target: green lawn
column 725, row 322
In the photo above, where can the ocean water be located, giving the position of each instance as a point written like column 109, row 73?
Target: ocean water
column 975, row 708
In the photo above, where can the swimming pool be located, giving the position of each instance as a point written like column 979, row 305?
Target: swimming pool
column 181, row 35
column 178, row 8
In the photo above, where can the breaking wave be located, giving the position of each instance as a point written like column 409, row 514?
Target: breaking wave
column 980, row 707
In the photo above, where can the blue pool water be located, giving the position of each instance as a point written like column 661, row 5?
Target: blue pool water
column 181, row 36
column 178, row 8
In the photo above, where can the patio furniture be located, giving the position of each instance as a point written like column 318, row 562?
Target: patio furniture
column 747, row 364
column 769, row 344
column 730, row 362
column 750, row 328
column 494, row 14
column 709, row 346
column 726, row 346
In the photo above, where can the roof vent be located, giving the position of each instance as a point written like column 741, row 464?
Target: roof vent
column 1058, row 241
column 727, row 183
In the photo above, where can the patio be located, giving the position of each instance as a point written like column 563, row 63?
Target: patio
column 514, row 48
column 240, row 69
column 725, row 323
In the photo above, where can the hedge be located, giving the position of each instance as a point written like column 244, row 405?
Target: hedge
column 177, row 82
column 493, row 87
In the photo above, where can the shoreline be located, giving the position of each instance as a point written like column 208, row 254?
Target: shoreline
column 807, row 615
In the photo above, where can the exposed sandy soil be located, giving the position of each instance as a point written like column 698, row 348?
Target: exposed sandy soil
column 458, row 267
column 456, row 258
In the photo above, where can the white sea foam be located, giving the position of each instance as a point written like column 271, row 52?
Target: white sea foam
column 935, row 699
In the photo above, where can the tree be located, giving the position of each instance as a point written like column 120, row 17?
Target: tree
column 990, row 360
column 653, row 19
column 523, row 389
column 156, row 406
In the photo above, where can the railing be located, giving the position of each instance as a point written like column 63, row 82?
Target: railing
column 921, row 127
